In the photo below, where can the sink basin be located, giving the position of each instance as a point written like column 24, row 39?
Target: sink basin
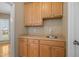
column 54, row 37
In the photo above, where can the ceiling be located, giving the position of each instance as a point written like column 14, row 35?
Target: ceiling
column 5, row 8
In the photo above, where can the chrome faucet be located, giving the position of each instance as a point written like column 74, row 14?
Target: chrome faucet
column 51, row 35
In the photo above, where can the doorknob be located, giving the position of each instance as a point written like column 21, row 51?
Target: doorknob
column 76, row 42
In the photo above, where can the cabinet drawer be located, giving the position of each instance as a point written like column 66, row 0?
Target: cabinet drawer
column 23, row 40
column 53, row 43
column 33, row 41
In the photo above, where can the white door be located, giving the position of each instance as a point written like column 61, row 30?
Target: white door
column 73, row 29
column 76, row 7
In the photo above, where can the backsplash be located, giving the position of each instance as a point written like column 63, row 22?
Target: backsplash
column 49, row 27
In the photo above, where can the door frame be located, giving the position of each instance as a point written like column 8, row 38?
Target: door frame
column 12, row 29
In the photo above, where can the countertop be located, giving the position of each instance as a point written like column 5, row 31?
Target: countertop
column 40, row 37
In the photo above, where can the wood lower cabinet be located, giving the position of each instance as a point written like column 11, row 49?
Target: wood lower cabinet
column 33, row 48
column 52, row 48
column 44, row 51
column 22, row 48
column 41, row 48
column 58, row 51
column 49, row 51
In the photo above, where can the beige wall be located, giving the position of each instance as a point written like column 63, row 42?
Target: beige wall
column 65, row 20
column 19, row 16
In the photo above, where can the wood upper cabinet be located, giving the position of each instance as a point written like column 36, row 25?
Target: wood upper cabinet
column 22, row 47
column 33, row 14
column 33, row 48
column 52, row 9
column 46, row 9
column 28, row 14
column 57, row 9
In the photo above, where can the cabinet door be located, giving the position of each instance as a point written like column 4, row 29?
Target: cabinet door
column 22, row 48
column 46, row 9
column 36, row 16
column 28, row 14
column 33, row 14
column 33, row 50
column 58, row 52
column 57, row 9
column 45, row 51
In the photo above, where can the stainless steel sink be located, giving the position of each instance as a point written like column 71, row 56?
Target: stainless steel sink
column 52, row 36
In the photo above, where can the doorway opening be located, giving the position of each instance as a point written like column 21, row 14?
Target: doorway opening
column 4, row 35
